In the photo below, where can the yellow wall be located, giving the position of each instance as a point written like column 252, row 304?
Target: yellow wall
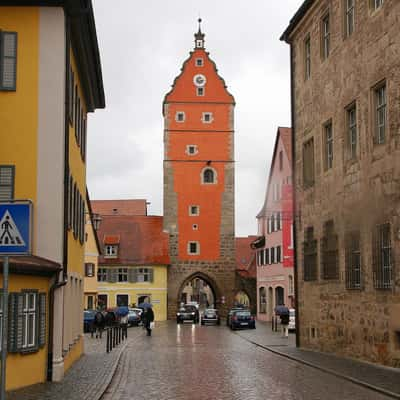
column 19, row 109
column 27, row 369
column 158, row 297
column 91, row 256
column 74, row 354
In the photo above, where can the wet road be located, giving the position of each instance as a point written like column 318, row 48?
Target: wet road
column 188, row 362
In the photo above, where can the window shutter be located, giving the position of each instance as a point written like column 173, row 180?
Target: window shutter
column 108, row 274
column 7, row 178
column 131, row 275
column 114, row 275
column 42, row 320
column 151, row 275
column 15, row 321
column 8, row 61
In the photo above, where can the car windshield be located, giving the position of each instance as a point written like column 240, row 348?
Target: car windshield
column 243, row 313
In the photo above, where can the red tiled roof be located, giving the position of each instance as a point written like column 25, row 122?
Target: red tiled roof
column 120, row 207
column 142, row 240
column 111, row 239
column 245, row 256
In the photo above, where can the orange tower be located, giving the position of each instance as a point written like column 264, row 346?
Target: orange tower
column 199, row 179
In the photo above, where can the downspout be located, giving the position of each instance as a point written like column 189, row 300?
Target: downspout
column 57, row 284
column 293, row 122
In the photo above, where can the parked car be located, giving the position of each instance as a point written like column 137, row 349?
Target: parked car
column 230, row 313
column 210, row 316
column 134, row 318
column 88, row 320
column 292, row 319
column 242, row 319
column 187, row 313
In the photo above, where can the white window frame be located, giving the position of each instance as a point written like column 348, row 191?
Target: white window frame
column 214, row 176
column 197, row 252
column 196, row 213
column 179, row 114
column 189, row 147
column 143, row 275
column 207, row 117
column 29, row 314
column 110, row 250
column 102, row 273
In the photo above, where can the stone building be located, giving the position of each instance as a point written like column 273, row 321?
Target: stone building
column 346, row 120
column 199, row 180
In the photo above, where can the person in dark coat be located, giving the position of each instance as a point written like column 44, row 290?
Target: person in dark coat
column 148, row 317
column 284, row 316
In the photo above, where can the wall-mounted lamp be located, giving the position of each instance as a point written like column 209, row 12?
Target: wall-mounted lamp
column 96, row 220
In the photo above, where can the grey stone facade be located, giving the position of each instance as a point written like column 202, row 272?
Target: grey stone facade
column 358, row 193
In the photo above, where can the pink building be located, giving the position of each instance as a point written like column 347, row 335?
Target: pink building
column 274, row 245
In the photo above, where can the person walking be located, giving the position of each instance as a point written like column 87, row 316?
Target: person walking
column 124, row 325
column 284, row 316
column 148, row 318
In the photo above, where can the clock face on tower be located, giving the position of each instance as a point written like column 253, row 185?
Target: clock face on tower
column 199, row 80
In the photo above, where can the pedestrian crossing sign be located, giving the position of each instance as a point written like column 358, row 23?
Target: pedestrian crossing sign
column 15, row 228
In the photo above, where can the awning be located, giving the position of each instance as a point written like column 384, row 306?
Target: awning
column 31, row 265
column 259, row 242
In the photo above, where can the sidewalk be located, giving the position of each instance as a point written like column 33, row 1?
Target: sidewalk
column 87, row 379
column 379, row 378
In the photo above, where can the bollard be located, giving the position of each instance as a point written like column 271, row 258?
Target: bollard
column 108, row 341
column 114, row 336
column 272, row 325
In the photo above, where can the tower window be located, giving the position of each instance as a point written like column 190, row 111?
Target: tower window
column 207, row 117
column 209, row 176
column 199, row 62
column 200, row 91
column 191, row 149
column 194, row 248
column 199, row 43
column 180, row 116
column 194, row 210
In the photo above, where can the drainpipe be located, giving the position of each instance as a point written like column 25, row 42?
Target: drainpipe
column 58, row 284
column 295, row 267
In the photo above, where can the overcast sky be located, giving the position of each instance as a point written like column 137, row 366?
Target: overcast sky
column 142, row 47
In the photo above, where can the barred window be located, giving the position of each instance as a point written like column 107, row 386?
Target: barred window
column 353, row 260
column 329, row 252
column 263, row 300
column 310, row 254
column 102, row 274
column 382, row 257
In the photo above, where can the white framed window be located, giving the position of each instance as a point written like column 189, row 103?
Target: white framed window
column 29, row 315
column 102, row 275
column 122, row 274
column 194, row 210
column 144, row 275
column 180, row 116
column 110, row 250
column 200, row 91
column 193, row 248
column 199, row 62
column 207, row 117
column 199, row 43
column 191, row 149
column 209, row 176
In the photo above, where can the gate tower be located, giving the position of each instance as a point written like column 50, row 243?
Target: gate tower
column 199, row 179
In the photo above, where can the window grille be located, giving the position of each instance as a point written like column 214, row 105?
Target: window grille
column 310, row 254
column 7, row 178
column 353, row 260
column 8, row 61
column 382, row 257
column 329, row 253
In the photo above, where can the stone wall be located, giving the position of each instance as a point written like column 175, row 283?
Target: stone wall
column 357, row 194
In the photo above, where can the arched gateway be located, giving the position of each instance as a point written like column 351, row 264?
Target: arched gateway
column 199, row 180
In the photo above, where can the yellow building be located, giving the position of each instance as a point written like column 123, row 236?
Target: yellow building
column 92, row 252
column 133, row 265
column 50, row 78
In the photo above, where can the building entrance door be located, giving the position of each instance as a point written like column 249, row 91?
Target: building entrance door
column 279, row 296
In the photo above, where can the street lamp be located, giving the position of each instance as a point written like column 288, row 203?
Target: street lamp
column 96, row 219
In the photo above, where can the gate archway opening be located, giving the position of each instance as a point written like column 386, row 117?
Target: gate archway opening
column 198, row 289
column 242, row 299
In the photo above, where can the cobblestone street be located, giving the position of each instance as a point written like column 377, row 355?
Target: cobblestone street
column 181, row 362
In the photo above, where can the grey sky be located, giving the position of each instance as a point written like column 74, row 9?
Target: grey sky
column 143, row 46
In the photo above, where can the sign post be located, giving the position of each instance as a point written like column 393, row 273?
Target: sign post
column 15, row 239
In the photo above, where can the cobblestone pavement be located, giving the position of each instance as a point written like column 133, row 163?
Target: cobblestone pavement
column 182, row 362
column 87, row 379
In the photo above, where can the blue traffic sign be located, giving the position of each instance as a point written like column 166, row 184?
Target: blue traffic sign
column 15, row 228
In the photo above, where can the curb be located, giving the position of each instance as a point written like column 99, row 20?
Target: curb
column 326, row 370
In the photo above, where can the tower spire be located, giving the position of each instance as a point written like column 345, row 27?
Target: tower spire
column 199, row 37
